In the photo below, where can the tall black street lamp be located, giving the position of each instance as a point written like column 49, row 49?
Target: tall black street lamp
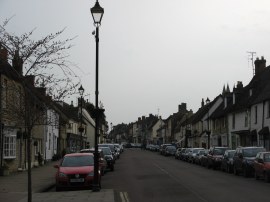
column 208, row 132
column 97, row 13
column 81, row 129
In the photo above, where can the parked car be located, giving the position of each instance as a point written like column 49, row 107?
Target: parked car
column 193, row 153
column 262, row 166
column 214, row 157
column 243, row 160
column 101, row 159
column 113, row 150
column 162, row 148
column 117, row 149
column 75, row 170
column 182, row 153
column 170, row 150
column 204, row 159
column 199, row 155
column 177, row 153
column 186, row 154
column 227, row 161
column 108, row 157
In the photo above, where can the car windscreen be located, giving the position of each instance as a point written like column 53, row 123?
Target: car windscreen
column 171, row 148
column 196, row 150
column 106, row 150
column 219, row 151
column 252, row 152
column 76, row 161
column 111, row 146
column 231, row 154
column 267, row 157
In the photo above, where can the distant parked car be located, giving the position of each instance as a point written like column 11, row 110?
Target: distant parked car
column 182, row 153
column 153, row 147
column 108, row 157
column 186, row 154
column 227, row 161
column 117, row 149
column 162, row 148
column 204, row 159
column 192, row 155
column 243, row 160
column 177, row 153
column 199, row 155
column 170, row 151
column 214, row 157
column 75, row 170
column 262, row 166
column 112, row 148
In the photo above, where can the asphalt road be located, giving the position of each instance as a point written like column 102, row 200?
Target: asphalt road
column 144, row 176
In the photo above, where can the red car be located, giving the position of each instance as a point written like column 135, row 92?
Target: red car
column 262, row 166
column 75, row 170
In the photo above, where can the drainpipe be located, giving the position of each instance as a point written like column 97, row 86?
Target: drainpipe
column 263, row 125
column 1, row 128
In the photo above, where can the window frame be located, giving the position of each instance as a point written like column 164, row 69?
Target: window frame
column 10, row 144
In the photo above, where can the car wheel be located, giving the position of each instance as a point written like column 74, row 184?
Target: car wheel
column 266, row 177
column 99, row 184
column 229, row 169
column 58, row 189
column 256, row 176
column 235, row 171
column 246, row 174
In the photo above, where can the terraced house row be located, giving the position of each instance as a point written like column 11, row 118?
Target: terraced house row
column 240, row 117
column 31, row 122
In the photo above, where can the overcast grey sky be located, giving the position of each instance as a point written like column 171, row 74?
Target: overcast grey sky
column 154, row 54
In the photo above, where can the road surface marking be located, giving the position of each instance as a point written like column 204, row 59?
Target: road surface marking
column 124, row 196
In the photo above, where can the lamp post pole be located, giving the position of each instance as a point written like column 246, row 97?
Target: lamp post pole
column 97, row 12
column 81, row 129
column 208, row 130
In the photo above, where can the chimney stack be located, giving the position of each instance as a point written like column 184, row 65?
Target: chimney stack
column 182, row 108
column 41, row 90
column 202, row 103
column 3, row 55
column 30, row 79
column 17, row 63
column 259, row 65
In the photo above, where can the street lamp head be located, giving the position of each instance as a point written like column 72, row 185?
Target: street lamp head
column 97, row 13
column 81, row 90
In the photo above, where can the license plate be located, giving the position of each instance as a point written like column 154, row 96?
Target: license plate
column 77, row 180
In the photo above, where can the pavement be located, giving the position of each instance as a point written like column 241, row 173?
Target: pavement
column 13, row 188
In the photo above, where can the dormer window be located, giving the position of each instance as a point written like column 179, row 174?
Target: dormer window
column 256, row 114
column 268, row 109
column 225, row 102
column 250, row 92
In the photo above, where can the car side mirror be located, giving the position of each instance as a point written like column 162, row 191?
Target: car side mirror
column 240, row 156
column 260, row 161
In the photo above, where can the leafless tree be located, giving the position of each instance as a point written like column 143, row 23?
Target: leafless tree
column 46, row 59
